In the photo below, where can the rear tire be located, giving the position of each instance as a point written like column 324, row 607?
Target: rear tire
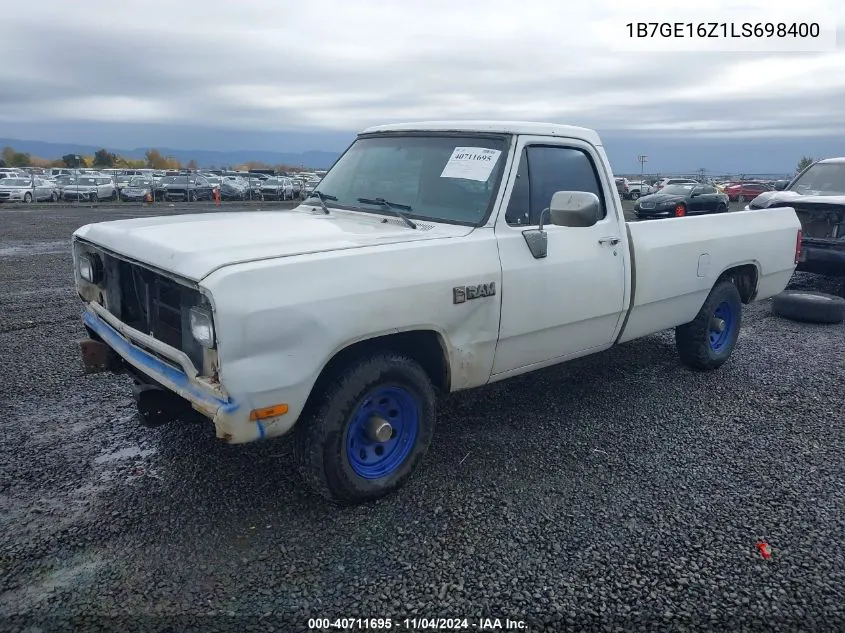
column 635, row 195
column 337, row 457
column 701, row 344
column 740, row 199
column 113, row 196
column 722, row 208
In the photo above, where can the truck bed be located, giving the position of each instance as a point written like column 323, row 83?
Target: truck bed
column 676, row 261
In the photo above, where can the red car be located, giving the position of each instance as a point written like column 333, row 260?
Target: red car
column 743, row 191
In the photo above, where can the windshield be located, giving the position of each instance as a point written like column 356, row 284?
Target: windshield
column 87, row 181
column 139, row 182
column 273, row 181
column 677, row 190
column 440, row 177
column 15, row 182
column 171, row 180
column 822, row 179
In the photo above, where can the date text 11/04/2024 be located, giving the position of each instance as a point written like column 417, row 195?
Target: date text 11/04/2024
column 742, row 30
column 417, row 624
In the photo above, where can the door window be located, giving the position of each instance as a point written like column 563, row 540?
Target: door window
column 544, row 170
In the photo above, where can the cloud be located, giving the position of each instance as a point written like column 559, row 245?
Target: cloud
column 338, row 65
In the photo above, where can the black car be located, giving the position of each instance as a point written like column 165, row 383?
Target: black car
column 680, row 200
column 818, row 196
column 188, row 188
column 137, row 189
column 229, row 192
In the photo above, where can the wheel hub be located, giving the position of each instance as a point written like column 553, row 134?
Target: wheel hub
column 379, row 429
column 717, row 325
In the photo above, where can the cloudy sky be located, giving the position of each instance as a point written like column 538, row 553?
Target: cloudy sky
column 241, row 75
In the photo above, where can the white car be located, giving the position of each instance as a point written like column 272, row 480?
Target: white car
column 638, row 188
column 90, row 189
column 447, row 267
column 663, row 182
column 27, row 190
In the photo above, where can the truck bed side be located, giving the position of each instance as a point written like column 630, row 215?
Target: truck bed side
column 677, row 261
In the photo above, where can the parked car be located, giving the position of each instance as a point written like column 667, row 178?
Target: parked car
column 277, row 189
column 622, row 187
column 90, row 189
column 818, row 196
column 27, row 190
column 665, row 182
column 680, row 200
column 230, row 190
column 137, row 189
column 297, row 185
column 745, row 191
column 638, row 188
column 189, row 188
column 267, row 311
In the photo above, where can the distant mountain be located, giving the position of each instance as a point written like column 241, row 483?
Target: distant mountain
column 204, row 158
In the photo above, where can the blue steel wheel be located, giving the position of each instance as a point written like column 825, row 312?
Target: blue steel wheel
column 382, row 432
column 721, row 326
column 707, row 341
column 371, row 424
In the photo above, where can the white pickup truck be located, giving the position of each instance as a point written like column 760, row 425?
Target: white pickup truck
column 432, row 257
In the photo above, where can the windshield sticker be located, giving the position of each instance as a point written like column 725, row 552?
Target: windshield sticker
column 471, row 163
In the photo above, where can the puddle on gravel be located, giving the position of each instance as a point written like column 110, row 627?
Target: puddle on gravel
column 36, row 248
column 73, row 575
column 124, row 453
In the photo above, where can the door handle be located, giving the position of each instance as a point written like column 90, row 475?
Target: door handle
column 613, row 241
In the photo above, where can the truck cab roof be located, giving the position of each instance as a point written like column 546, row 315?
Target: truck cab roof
column 496, row 127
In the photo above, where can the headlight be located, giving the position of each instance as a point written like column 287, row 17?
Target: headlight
column 202, row 326
column 91, row 268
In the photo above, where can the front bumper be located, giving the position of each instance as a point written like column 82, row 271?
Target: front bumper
column 173, row 370
column 78, row 195
column 652, row 213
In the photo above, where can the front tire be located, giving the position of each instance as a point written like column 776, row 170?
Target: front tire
column 722, row 208
column 706, row 342
column 635, row 195
column 344, row 451
column 27, row 197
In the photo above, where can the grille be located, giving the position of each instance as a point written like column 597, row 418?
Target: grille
column 153, row 304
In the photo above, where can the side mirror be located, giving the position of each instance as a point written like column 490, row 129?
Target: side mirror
column 695, row 194
column 780, row 185
column 574, row 209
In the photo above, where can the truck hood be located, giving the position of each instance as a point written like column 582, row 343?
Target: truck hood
column 784, row 198
column 193, row 246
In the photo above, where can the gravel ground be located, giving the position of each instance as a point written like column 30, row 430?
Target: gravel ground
column 620, row 490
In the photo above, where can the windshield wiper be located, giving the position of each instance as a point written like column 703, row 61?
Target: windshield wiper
column 322, row 198
column 396, row 208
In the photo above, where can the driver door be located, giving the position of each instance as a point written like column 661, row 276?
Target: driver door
column 570, row 302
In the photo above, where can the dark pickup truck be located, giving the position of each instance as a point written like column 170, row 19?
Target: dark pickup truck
column 818, row 196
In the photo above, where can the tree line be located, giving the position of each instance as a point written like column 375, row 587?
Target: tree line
column 104, row 159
